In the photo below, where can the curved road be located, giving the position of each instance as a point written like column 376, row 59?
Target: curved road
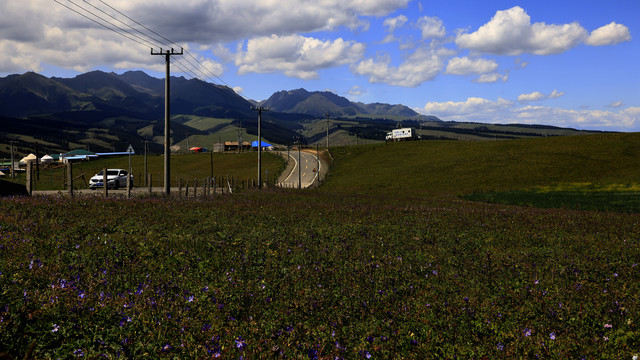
column 304, row 170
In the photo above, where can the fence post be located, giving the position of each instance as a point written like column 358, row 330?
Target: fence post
column 149, row 183
column 70, row 178
column 195, row 188
column 104, row 182
column 30, row 177
column 180, row 187
column 186, row 190
column 128, row 186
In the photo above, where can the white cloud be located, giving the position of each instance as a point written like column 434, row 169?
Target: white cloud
column 431, row 27
column 555, row 94
column 466, row 66
column 295, row 55
column 356, row 91
column 42, row 33
column 392, row 24
column 584, row 119
column 610, row 34
column 492, row 78
column 472, row 109
column 238, row 89
column 537, row 96
column 504, row 111
column 421, row 66
column 230, row 20
column 510, row 32
column 534, row 96
column 616, row 104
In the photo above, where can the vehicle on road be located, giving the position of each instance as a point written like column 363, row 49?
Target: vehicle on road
column 401, row 134
column 115, row 179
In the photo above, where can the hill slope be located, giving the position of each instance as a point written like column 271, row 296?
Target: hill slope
column 432, row 167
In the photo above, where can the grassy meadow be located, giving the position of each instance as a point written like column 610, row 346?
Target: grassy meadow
column 184, row 167
column 387, row 260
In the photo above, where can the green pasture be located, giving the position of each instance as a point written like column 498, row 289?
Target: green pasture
column 387, row 260
column 426, row 168
column 186, row 167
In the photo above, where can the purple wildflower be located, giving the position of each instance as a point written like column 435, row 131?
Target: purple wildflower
column 240, row 344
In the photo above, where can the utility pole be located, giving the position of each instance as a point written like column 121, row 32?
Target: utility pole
column 239, row 136
column 146, row 176
column 37, row 162
column 299, row 165
column 259, row 109
column 13, row 163
column 327, row 113
column 167, row 114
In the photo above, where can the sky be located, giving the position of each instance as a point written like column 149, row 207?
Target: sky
column 568, row 63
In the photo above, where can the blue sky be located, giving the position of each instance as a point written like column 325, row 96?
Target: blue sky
column 564, row 63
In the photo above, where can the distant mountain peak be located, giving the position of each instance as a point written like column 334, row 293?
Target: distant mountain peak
column 317, row 103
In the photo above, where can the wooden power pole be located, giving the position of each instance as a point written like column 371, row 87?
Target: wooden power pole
column 259, row 109
column 167, row 114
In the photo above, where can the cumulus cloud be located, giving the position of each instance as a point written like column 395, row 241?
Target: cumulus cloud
column 38, row 33
column 584, row 119
column 510, row 32
column 610, row 34
column 555, row 94
column 534, row 96
column 466, row 66
column 504, row 111
column 238, row 89
column 421, row 66
column 295, row 55
column 537, row 96
column 616, row 104
column 230, row 20
column 356, row 91
column 473, row 108
column 492, row 78
column 431, row 27
column 392, row 24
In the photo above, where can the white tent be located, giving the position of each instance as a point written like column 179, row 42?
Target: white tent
column 46, row 159
column 26, row 159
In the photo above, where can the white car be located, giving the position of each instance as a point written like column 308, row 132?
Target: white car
column 115, row 179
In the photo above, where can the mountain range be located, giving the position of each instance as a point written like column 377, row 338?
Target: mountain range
column 107, row 111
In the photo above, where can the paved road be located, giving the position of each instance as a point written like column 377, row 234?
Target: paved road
column 308, row 170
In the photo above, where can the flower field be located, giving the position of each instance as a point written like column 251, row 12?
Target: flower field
column 315, row 275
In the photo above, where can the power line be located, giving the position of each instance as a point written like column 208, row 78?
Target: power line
column 110, row 23
column 122, row 22
column 97, row 22
column 148, row 29
column 148, row 41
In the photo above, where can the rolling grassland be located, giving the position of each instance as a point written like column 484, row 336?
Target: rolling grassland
column 385, row 261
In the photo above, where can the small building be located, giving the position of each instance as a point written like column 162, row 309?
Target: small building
column 264, row 145
column 77, row 155
column 233, row 146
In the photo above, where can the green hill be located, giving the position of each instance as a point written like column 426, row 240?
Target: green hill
column 453, row 167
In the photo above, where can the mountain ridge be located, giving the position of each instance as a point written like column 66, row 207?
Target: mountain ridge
column 107, row 111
